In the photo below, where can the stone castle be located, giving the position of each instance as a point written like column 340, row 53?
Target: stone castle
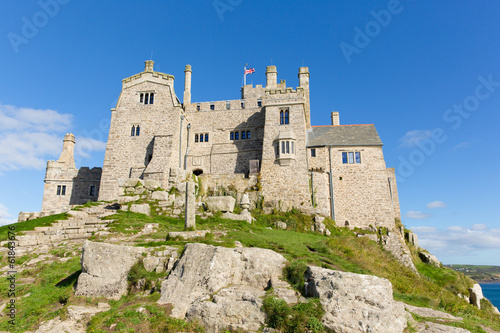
column 262, row 143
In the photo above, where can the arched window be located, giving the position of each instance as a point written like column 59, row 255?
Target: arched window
column 196, row 138
column 231, row 136
column 132, row 131
column 281, row 118
column 243, row 135
column 248, row 134
column 206, row 137
column 137, row 130
column 201, row 137
column 286, row 117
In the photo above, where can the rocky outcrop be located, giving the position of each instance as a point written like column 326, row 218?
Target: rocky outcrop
column 395, row 243
column 428, row 258
column 355, row 302
column 140, row 208
column 430, row 313
column 430, row 327
column 476, row 295
column 105, row 268
column 221, row 203
column 74, row 321
column 221, row 287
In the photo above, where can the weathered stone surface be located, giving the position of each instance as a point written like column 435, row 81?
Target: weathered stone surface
column 372, row 237
column 205, row 270
column 233, row 308
column 151, row 184
column 476, row 295
column 140, row 208
column 221, row 203
column 159, row 195
column 412, row 239
column 75, row 321
column 320, row 227
column 355, row 302
column 280, row 225
column 188, row 234
column 243, row 216
column 189, row 214
column 105, row 268
column 429, row 258
column 430, row 327
column 430, row 313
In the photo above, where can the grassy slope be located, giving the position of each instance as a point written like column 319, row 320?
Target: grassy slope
column 434, row 287
column 30, row 224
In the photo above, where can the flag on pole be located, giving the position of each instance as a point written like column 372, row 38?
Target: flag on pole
column 247, row 71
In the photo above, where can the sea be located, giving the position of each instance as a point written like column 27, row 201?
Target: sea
column 492, row 292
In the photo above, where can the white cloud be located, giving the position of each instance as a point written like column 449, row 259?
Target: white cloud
column 5, row 217
column 30, row 137
column 462, row 145
column 458, row 240
column 416, row 215
column 435, row 204
column 413, row 138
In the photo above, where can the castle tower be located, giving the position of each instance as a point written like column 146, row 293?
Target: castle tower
column 304, row 84
column 271, row 77
column 187, row 85
column 68, row 153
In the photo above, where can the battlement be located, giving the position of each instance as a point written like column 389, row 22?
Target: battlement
column 227, row 105
column 148, row 73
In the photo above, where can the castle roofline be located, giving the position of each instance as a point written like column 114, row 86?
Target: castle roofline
column 343, row 136
column 148, row 70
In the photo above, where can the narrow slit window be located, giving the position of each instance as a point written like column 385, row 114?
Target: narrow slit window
column 137, row 130
column 288, row 147
column 196, row 138
column 231, row 136
column 259, row 102
column 293, row 148
column 212, row 106
column 236, row 135
column 242, row 104
column 313, row 152
column 243, row 135
column 92, row 190
column 351, row 157
column 141, row 100
column 286, row 117
column 147, row 98
column 132, row 131
column 58, row 189
column 281, row 118
column 151, row 98
column 201, row 137
column 248, row 134
column 282, row 147
column 228, row 105
column 206, row 137
column 198, row 106
column 63, row 190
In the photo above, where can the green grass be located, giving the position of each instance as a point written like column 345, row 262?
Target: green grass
column 86, row 205
column 30, row 224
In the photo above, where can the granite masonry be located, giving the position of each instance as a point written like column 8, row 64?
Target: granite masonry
column 263, row 143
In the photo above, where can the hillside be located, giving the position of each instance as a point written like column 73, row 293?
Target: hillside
column 479, row 273
column 47, row 274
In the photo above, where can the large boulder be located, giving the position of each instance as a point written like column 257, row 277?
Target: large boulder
column 221, row 203
column 205, row 271
column 428, row 258
column 476, row 295
column 105, row 268
column 140, row 208
column 355, row 302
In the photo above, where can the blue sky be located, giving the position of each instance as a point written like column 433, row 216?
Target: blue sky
column 426, row 73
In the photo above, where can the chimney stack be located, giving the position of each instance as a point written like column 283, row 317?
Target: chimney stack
column 187, row 85
column 271, row 77
column 149, row 66
column 68, row 153
column 304, row 77
column 335, row 118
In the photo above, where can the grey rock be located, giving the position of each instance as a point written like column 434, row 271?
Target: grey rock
column 320, row 227
column 151, row 184
column 328, row 232
column 204, row 270
column 430, row 327
column 372, row 237
column 429, row 258
column 221, row 203
column 476, row 295
column 151, row 263
column 140, row 208
column 280, row 225
column 189, row 215
column 243, row 216
column 318, row 219
column 355, row 302
column 188, row 234
column 159, row 195
column 430, row 313
column 105, row 268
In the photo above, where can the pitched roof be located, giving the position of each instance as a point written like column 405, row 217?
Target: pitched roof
column 343, row 135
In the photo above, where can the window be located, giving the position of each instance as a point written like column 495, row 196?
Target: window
column 151, row 98
column 242, row 104
column 243, row 135
column 236, row 135
column 248, row 134
column 282, row 119
column 212, row 106
column 92, row 190
column 293, row 148
column 282, row 147
column 206, row 137
column 286, row 117
column 231, row 136
column 288, row 147
column 137, row 130
column 132, row 131
column 201, row 137
column 259, row 102
column 198, row 106
column 351, row 157
column 147, row 98
column 196, row 138
column 313, row 152
column 61, row 189
column 141, row 100
column 228, row 105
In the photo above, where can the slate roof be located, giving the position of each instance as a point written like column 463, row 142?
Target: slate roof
column 343, row 135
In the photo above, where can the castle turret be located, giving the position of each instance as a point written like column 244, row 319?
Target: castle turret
column 187, row 85
column 335, row 118
column 304, row 84
column 304, row 77
column 149, row 65
column 68, row 153
column 272, row 77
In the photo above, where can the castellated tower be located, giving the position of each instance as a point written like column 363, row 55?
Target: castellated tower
column 144, row 135
column 65, row 185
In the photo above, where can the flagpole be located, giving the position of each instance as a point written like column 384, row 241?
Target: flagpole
column 245, row 76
